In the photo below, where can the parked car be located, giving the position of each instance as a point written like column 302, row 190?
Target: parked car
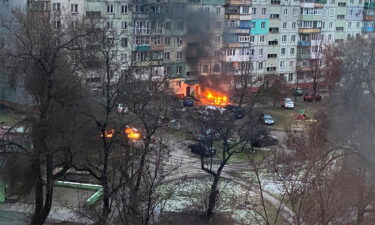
column 297, row 91
column 121, row 108
column 311, row 98
column 208, row 135
column 239, row 112
column 287, row 103
column 263, row 139
column 266, row 118
column 203, row 150
column 188, row 101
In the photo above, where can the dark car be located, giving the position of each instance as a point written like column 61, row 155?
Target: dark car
column 297, row 91
column 311, row 98
column 239, row 112
column 266, row 118
column 208, row 135
column 203, row 150
column 188, row 101
column 263, row 139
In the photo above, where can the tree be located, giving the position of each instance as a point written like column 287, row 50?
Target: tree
column 44, row 60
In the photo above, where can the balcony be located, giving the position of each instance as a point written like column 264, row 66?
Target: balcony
column 368, row 18
column 304, row 43
column 232, row 17
column 303, row 56
column 369, row 5
column 318, row 5
column 311, row 17
column 308, row 30
column 213, row 2
column 238, row 2
column 157, row 47
column 239, row 31
column 321, row 1
column 367, row 29
column 305, row 68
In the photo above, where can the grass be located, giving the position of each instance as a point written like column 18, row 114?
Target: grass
column 245, row 156
column 282, row 117
column 9, row 117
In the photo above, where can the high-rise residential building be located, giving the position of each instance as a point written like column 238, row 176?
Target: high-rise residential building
column 211, row 43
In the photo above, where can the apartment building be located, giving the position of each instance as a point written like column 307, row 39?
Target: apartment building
column 197, row 43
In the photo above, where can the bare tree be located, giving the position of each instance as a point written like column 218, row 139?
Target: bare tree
column 43, row 57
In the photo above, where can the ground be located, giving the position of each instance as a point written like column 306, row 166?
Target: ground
column 181, row 206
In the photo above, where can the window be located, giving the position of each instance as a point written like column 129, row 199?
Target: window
column 293, row 25
column 179, row 55
column 254, row 11
column 274, row 42
column 274, row 16
column 252, row 38
column 340, row 17
column 217, row 10
column 167, row 55
column 261, row 52
column 293, row 38
column 180, row 41
column 294, row 12
column 263, row 11
column 351, row 12
column 283, row 38
column 168, row 25
column 263, row 25
column 156, row 40
column 217, row 39
column 323, row 24
column 74, row 8
column 351, row 2
column 261, row 38
column 330, row 37
column 57, row 24
column 272, row 56
column 217, row 53
column 290, row 77
column 56, row 7
column 285, row 25
column 274, row 30
column 179, row 69
column 252, row 52
column 283, row 50
column 216, row 68
column 124, row 25
column 124, row 9
column 207, row 9
column 292, row 51
column 358, row 24
column 167, row 40
column 282, row 64
column 246, row 10
column 124, row 42
column 339, row 29
column 341, row 4
column 291, row 63
column 285, row 12
column 330, row 24
column 205, row 69
column 109, row 8
column 244, row 38
column 260, row 65
column 350, row 25
column 109, row 25
column 231, row 51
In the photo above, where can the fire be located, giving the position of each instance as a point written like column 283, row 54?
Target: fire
column 133, row 133
column 215, row 98
column 108, row 133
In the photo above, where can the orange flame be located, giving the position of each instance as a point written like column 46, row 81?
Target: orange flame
column 214, row 98
column 133, row 133
column 108, row 133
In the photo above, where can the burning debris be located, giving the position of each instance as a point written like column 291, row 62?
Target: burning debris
column 215, row 98
column 130, row 132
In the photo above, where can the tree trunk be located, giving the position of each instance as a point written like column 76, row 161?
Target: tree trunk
column 41, row 210
column 213, row 196
column 106, row 209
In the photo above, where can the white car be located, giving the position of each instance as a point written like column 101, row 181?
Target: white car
column 287, row 103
